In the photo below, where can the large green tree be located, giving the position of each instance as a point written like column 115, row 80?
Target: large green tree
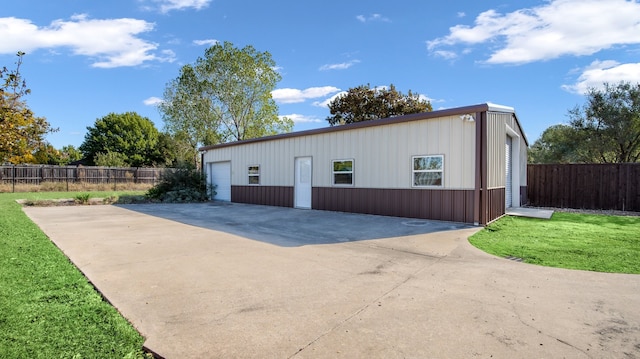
column 176, row 150
column 606, row 129
column 21, row 132
column 188, row 111
column 610, row 123
column 70, row 154
column 224, row 96
column 558, row 144
column 127, row 137
column 48, row 155
column 364, row 103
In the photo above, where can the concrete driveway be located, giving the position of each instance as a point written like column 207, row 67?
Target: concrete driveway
column 242, row 281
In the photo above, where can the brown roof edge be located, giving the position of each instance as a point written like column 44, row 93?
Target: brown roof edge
column 524, row 136
column 381, row 122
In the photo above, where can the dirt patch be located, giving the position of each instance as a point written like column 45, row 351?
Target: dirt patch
column 83, row 201
column 64, row 202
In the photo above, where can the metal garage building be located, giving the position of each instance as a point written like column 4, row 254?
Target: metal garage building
column 464, row 164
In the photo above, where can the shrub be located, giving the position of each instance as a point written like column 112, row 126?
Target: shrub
column 181, row 185
column 129, row 199
column 82, row 198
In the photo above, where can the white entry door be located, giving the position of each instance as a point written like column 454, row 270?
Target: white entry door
column 302, row 187
column 508, row 196
column 220, row 176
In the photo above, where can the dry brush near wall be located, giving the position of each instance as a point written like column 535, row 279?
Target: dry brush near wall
column 33, row 178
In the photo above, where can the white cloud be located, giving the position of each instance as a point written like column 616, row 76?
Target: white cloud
column 298, row 118
column 152, row 101
column 208, row 42
column 447, row 55
column 599, row 72
column 341, row 66
column 109, row 42
column 431, row 100
column 372, row 17
column 325, row 103
column 167, row 56
column 168, row 5
column 551, row 30
column 461, row 14
column 289, row 95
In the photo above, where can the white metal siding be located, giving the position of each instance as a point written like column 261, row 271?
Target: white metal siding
column 497, row 128
column 496, row 134
column 382, row 154
column 523, row 162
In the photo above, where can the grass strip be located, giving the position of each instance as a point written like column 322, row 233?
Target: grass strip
column 48, row 308
column 568, row 240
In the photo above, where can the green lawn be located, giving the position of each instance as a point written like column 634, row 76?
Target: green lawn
column 47, row 307
column 576, row 241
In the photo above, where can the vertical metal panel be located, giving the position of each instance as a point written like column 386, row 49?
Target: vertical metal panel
column 480, row 168
column 382, row 154
column 446, row 205
column 523, row 163
column 497, row 123
column 493, row 206
column 263, row 195
column 496, row 134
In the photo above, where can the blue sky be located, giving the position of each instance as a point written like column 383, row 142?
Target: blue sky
column 86, row 59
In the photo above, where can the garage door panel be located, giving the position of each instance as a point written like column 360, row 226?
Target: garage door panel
column 508, row 174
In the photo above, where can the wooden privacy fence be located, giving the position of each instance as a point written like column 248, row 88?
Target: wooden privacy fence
column 586, row 186
column 37, row 174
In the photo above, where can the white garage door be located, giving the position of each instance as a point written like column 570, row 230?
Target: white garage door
column 220, row 176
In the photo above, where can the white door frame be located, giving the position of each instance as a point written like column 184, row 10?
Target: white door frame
column 303, row 168
column 515, row 167
column 508, row 185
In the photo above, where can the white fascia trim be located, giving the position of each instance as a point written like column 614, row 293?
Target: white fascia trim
column 500, row 108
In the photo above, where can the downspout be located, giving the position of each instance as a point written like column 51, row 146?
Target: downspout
column 479, row 195
column 477, row 178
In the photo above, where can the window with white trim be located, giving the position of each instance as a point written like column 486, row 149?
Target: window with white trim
column 254, row 174
column 428, row 171
column 343, row 172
